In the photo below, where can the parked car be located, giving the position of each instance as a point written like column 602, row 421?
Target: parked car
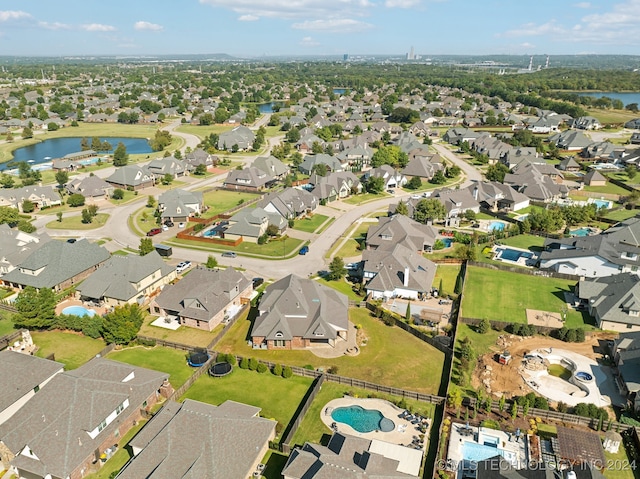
column 183, row 266
column 391, row 192
column 165, row 228
column 352, row 265
column 169, row 223
column 257, row 282
column 71, row 240
column 304, row 250
column 154, row 231
column 229, row 254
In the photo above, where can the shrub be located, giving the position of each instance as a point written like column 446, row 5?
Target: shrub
column 231, row 359
column 277, row 370
column 244, row 363
column 253, row 364
column 333, row 370
column 75, row 200
column 484, row 326
column 221, row 358
column 491, row 424
column 309, row 367
column 198, row 227
column 262, row 368
column 117, row 194
column 146, row 342
column 287, row 372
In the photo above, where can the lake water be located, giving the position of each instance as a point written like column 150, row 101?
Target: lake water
column 626, row 97
column 58, row 147
column 339, row 91
column 268, row 107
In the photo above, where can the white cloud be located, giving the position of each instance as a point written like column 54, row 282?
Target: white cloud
column 148, row 26
column 54, row 26
column 248, row 18
column 289, row 9
column 97, row 27
column 402, row 3
column 309, row 42
column 8, row 15
column 584, row 5
column 344, row 25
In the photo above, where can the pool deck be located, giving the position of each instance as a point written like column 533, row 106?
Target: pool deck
column 522, row 261
column 100, row 310
column 403, row 432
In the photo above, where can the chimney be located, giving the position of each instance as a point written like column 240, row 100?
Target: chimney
column 405, row 281
column 475, row 193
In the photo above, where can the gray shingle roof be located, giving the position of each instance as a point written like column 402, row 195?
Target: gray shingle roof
column 399, row 229
column 390, row 267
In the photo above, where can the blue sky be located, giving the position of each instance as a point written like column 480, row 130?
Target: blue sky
column 327, row 27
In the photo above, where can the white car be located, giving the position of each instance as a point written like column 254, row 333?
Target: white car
column 165, row 228
column 181, row 225
column 183, row 266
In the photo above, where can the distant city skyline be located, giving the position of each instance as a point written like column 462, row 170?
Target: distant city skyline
column 255, row 28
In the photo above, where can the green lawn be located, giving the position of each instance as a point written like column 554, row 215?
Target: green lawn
column 622, row 214
column 274, row 249
column 525, row 241
column 612, row 116
column 609, row 188
column 183, row 335
column 343, row 286
column 364, row 198
column 351, row 247
column 310, row 223
column 75, row 223
column 6, row 325
column 277, row 397
column 166, row 360
column 275, row 462
column 312, row 428
column 219, row 201
column 204, row 130
column 391, row 356
column 491, row 294
column 71, row 349
column 448, row 273
column 620, row 465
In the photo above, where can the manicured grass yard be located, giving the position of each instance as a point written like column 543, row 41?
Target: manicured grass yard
column 203, row 130
column 364, row 198
column 75, row 223
column 525, row 241
column 612, row 116
column 183, row 335
column 357, row 236
column 504, row 296
column 448, row 273
column 310, row 224
column 278, row 397
column 312, row 428
column 219, row 201
column 71, row 349
column 272, row 249
column 620, row 465
column 343, row 286
column 391, row 356
column 6, row 325
column 166, row 360
column 622, row 214
column 608, row 188
column 126, row 198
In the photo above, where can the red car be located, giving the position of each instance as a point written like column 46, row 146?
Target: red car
column 154, row 231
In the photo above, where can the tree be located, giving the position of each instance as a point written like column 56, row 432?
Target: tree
column 407, row 313
column 375, row 185
column 121, row 326
column 84, row 144
column 120, row 156
column 75, row 200
column 146, row 246
column 200, row 170
column 53, row 126
column 151, row 201
column 117, row 194
column 9, row 215
column 497, row 172
column 414, row 183
column 272, row 230
column 429, row 210
column 484, row 326
column 167, row 179
column 96, row 144
column 28, row 206
column 36, row 309
column 337, row 269
column 466, row 252
column 514, row 411
column 438, row 178
column 61, row 178
column 501, row 403
column 211, row 263
column 86, row 216
column 631, row 171
column 26, row 226
column 27, row 132
column 7, row 181
column 401, row 209
column 320, row 169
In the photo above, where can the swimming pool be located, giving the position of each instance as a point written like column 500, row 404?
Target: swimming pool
column 496, row 226
column 582, row 232
column 447, row 242
column 514, row 255
column 603, row 203
column 78, row 311
column 362, row 420
column 474, row 452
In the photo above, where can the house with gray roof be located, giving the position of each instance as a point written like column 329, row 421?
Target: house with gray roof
column 23, row 375
column 204, row 298
column 272, row 166
column 633, row 124
column 16, row 246
column 571, row 140
column 289, row 203
column 586, row 123
column 569, row 164
column 351, row 457
column 250, row 179
column 456, row 202
column 423, row 166
column 310, row 161
column 458, row 135
column 39, row 195
column 335, row 185
column 160, row 167
column 497, row 196
column 178, row 205
column 397, row 273
column 251, row 223
column 399, row 229
column 231, row 441
column 538, row 182
column 626, row 355
column 200, row 157
column 126, row 280
column 300, row 313
column 392, row 178
column 57, row 265
column 91, row 187
column 79, row 415
column 131, row 177
column 594, row 178
column 240, row 136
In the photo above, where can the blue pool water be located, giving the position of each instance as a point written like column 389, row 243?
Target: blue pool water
column 602, row 203
column 496, row 226
column 513, row 254
column 447, row 242
column 475, row 452
column 581, row 232
column 78, row 311
column 363, row 420
column 584, row 376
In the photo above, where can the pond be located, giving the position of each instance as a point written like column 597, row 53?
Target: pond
column 268, row 107
column 626, row 98
column 46, row 150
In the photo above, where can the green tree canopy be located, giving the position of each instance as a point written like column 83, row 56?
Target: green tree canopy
column 337, row 269
column 121, row 326
column 146, row 246
column 120, row 155
column 429, row 210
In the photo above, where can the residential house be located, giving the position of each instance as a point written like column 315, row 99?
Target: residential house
column 614, row 251
column 76, row 417
column 626, row 356
column 23, row 376
column 514, row 157
column 179, row 205
column 231, row 441
column 91, row 187
column 204, row 298
column 40, row 196
column 397, row 272
column 456, row 202
column 335, row 185
column 57, row 265
column 306, row 142
column 272, row 166
column 392, row 177
column 614, row 301
column 586, row 123
column 251, row 223
column 571, row 140
column 126, row 280
column 420, row 128
column 594, row 178
column 353, row 457
column 16, row 246
column 600, row 150
column 635, row 138
column 310, row 161
column 250, row 179
column 290, row 203
column 200, row 157
column 569, row 164
column 498, row 196
column 399, row 229
column 633, row 124
column 543, row 124
column 160, row 167
column 457, row 135
column 131, row 177
column 423, row 167
column 300, row 313
column 538, row 182
column 240, row 137
column 62, row 164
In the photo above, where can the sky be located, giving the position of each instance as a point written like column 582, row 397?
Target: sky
column 257, row 28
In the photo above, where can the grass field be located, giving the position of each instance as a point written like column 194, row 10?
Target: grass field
column 274, row 249
column 504, row 296
column 6, row 325
column 310, row 224
column 525, row 241
column 71, row 349
column 75, row 223
column 622, row 214
column 351, row 247
column 183, row 335
column 312, row 428
column 619, row 465
column 219, row 201
column 343, row 286
column 166, row 360
column 202, row 131
column 364, row 198
column 448, row 273
column 391, row 356
column 612, row 116
column 609, row 188
column 277, row 397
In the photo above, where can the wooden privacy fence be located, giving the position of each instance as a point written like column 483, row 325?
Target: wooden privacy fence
column 7, row 339
column 520, row 270
column 287, row 437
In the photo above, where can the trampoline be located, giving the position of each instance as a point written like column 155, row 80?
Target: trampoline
column 197, row 358
column 217, row 370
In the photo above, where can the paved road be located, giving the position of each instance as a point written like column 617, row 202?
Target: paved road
column 191, row 141
column 470, row 172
